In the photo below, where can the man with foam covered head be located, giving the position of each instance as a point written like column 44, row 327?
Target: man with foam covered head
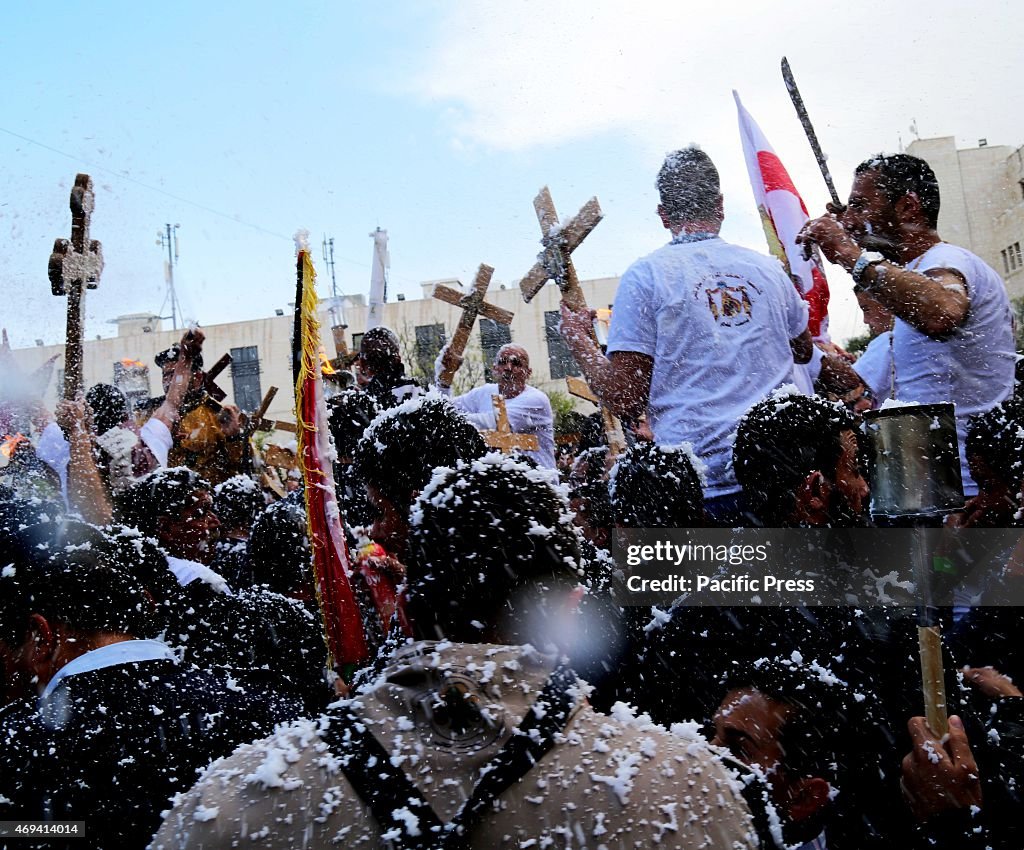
column 700, row 330
column 118, row 723
column 398, row 454
column 798, row 460
column 380, row 370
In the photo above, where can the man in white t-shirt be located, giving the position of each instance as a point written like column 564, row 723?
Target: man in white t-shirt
column 529, row 410
column 953, row 337
column 700, row 331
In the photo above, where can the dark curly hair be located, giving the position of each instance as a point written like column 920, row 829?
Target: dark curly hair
column 238, row 501
column 404, row 445
column 350, row 414
column 901, row 174
column 782, row 440
column 161, row 493
column 656, row 487
column 481, row 534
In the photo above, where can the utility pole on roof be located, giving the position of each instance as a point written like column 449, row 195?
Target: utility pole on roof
column 169, row 240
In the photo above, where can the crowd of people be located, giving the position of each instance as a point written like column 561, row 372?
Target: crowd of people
column 165, row 676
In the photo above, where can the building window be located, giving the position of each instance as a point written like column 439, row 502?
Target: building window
column 1012, row 259
column 429, row 342
column 357, row 341
column 1006, row 260
column 560, row 360
column 132, row 378
column 245, row 377
column 493, row 335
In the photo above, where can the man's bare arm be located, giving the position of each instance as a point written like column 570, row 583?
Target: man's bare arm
column 622, row 382
column 86, row 492
column 170, row 411
column 934, row 301
column 802, row 347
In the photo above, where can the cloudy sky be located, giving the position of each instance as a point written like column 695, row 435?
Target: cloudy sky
column 439, row 121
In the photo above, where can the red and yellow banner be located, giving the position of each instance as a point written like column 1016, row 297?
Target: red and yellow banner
column 343, row 626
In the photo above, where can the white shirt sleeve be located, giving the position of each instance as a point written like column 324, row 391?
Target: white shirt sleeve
column 634, row 314
column 54, row 451
column 157, row 437
column 813, row 365
column 875, row 366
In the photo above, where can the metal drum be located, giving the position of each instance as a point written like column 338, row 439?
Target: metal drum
column 915, row 464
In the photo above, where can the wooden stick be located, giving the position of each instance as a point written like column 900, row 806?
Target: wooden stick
column 805, row 122
column 933, row 682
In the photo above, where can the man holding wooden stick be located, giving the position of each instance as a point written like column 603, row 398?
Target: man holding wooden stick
column 953, row 336
column 529, row 410
column 701, row 330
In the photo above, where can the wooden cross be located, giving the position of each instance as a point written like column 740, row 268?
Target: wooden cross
column 210, row 378
column 343, row 357
column 559, row 241
column 472, row 305
column 258, row 423
column 503, row 437
column 75, row 265
column 612, row 427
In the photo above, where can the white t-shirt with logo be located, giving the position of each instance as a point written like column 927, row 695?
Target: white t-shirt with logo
column 972, row 366
column 717, row 320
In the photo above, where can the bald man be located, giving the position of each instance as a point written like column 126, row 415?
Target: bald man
column 529, row 410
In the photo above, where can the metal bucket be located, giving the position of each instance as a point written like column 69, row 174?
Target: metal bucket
column 915, row 463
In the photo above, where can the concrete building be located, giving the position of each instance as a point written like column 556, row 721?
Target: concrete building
column 261, row 349
column 982, row 193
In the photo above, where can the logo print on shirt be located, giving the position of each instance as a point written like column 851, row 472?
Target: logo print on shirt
column 730, row 305
column 730, row 298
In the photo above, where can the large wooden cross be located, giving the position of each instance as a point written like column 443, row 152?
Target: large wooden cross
column 559, row 241
column 503, row 437
column 612, row 427
column 555, row 263
column 75, row 265
column 472, row 305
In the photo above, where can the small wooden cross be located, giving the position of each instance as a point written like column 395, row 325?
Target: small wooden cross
column 472, row 305
column 559, row 241
column 75, row 265
column 258, row 423
column 343, row 358
column 503, row 437
column 612, row 427
column 210, row 378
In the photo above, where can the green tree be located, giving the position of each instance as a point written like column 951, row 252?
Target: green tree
column 856, row 344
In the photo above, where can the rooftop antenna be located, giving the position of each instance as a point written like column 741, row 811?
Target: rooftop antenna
column 337, row 317
column 168, row 238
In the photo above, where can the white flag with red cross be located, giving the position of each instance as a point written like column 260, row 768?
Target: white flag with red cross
column 783, row 214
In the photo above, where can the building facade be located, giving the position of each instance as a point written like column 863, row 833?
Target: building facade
column 261, row 349
column 982, row 192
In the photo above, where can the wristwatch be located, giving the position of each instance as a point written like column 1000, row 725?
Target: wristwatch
column 866, row 258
